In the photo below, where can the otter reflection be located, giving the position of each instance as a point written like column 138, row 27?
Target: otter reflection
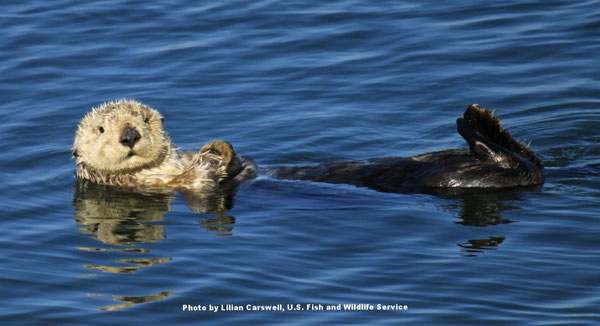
column 477, row 246
column 118, row 218
column 133, row 300
column 482, row 210
column 123, row 216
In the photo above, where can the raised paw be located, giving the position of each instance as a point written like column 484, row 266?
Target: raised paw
column 230, row 164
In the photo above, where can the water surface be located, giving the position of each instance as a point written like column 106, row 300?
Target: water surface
column 293, row 83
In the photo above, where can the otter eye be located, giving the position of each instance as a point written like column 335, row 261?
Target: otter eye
column 101, row 130
column 146, row 120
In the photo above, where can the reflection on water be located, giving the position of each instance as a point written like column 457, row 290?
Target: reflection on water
column 222, row 224
column 217, row 202
column 482, row 210
column 132, row 300
column 117, row 217
column 114, row 249
column 137, row 264
column 122, row 217
column 473, row 247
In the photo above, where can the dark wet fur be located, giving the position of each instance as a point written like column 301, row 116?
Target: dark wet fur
column 495, row 160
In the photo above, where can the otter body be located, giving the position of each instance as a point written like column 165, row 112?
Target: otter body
column 123, row 143
column 494, row 160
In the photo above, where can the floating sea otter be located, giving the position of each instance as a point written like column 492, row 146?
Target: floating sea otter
column 123, row 143
column 495, row 160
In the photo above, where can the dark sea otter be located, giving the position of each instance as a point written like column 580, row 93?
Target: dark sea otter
column 494, row 160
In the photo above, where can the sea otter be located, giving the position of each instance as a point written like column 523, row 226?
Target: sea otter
column 495, row 160
column 123, row 143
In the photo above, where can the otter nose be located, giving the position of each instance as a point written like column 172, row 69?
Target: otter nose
column 129, row 137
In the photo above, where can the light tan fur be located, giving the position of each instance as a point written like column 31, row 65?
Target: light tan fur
column 153, row 160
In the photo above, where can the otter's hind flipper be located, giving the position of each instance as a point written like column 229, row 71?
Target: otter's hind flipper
column 490, row 143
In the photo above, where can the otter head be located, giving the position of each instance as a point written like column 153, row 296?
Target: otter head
column 120, row 137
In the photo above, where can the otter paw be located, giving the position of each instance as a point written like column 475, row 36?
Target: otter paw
column 230, row 164
column 220, row 148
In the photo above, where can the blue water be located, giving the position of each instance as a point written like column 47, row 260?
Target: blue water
column 293, row 83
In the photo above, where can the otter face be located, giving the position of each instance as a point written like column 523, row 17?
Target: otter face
column 121, row 136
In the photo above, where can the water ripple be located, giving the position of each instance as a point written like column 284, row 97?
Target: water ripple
column 292, row 83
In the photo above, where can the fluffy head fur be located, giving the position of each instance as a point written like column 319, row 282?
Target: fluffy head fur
column 123, row 143
column 98, row 139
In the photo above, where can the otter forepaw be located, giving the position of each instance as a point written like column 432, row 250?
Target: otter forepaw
column 220, row 148
column 229, row 165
